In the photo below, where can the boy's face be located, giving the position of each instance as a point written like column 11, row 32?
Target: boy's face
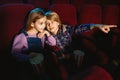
column 52, row 26
column 40, row 24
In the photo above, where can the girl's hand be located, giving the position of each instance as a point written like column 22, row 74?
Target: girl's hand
column 47, row 33
column 41, row 34
column 106, row 28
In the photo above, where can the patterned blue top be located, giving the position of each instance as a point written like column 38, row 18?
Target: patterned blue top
column 64, row 35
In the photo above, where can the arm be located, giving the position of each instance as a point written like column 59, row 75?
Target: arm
column 82, row 28
column 49, row 38
column 19, row 48
column 104, row 28
column 87, row 27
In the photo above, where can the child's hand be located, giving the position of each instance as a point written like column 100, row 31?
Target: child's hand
column 106, row 28
column 41, row 34
column 47, row 33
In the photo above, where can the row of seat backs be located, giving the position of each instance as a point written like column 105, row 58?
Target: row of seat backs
column 12, row 16
column 12, row 20
column 45, row 3
column 89, row 13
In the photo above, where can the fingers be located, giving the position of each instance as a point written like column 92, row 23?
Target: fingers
column 112, row 26
column 105, row 29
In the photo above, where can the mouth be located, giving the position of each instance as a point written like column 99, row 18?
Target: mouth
column 51, row 28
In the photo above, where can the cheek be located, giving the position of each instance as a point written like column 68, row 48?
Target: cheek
column 55, row 27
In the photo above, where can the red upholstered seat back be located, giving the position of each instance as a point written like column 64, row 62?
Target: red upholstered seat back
column 92, row 73
column 67, row 13
column 111, row 14
column 10, row 1
column 13, row 20
column 39, row 3
column 90, row 13
column 60, row 1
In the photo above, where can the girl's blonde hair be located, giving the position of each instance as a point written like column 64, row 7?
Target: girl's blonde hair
column 51, row 15
column 34, row 15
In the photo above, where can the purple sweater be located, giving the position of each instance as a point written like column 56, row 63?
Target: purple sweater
column 20, row 45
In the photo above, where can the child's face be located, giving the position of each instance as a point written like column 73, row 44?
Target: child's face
column 52, row 26
column 40, row 24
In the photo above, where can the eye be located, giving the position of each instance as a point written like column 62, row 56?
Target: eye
column 41, row 23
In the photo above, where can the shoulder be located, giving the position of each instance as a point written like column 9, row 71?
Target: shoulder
column 66, row 27
column 20, row 36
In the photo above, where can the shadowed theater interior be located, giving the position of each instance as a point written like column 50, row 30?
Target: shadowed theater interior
column 96, row 55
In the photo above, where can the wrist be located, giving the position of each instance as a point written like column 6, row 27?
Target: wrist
column 48, row 34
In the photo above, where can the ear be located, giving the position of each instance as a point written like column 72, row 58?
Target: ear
column 32, row 24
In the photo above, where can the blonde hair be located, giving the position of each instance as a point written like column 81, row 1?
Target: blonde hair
column 51, row 15
column 34, row 15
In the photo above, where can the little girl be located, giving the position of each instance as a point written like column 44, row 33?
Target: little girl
column 32, row 37
column 29, row 43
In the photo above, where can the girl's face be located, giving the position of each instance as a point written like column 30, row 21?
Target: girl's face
column 52, row 26
column 40, row 24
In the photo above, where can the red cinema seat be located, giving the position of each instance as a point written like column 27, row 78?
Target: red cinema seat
column 10, row 1
column 67, row 13
column 60, row 1
column 13, row 20
column 90, row 13
column 78, row 4
column 39, row 3
column 111, row 14
column 93, row 73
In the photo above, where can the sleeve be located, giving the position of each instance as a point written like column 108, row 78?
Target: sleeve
column 78, row 29
column 69, row 29
column 51, row 40
column 82, row 28
column 19, row 48
column 97, row 25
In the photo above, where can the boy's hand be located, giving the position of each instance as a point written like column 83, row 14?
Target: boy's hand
column 106, row 28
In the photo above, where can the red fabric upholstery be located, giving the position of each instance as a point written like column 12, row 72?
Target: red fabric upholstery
column 61, row 1
column 97, row 73
column 10, row 1
column 90, row 13
column 94, row 1
column 13, row 20
column 115, row 34
column 93, row 73
column 78, row 4
column 90, row 43
column 40, row 3
column 67, row 13
column 111, row 14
